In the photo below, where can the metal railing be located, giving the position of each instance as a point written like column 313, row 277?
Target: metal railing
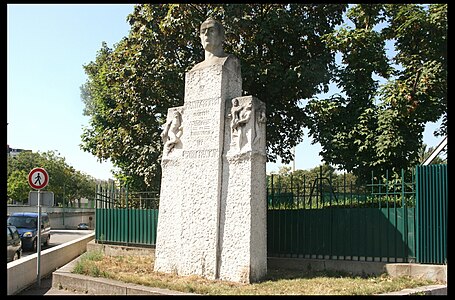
column 335, row 219
column 126, row 218
column 392, row 219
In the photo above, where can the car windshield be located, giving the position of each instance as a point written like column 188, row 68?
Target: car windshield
column 22, row 222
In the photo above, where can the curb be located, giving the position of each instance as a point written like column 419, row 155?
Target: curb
column 63, row 279
column 423, row 290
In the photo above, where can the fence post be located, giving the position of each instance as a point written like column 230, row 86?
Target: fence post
column 405, row 216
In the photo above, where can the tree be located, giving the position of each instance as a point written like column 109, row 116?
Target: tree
column 377, row 127
column 287, row 53
column 130, row 87
column 64, row 180
column 18, row 187
column 321, row 179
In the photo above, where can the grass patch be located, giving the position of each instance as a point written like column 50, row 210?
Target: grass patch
column 139, row 270
column 86, row 264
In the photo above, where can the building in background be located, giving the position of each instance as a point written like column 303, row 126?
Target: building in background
column 13, row 152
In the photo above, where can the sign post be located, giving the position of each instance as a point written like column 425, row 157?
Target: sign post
column 38, row 179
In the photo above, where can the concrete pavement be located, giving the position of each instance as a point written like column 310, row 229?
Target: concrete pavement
column 46, row 289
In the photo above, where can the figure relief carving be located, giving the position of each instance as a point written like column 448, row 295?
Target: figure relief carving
column 235, row 115
column 240, row 116
column 260, row 120
column 173, row 130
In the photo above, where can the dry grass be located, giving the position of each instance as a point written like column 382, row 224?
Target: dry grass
column 139, row 270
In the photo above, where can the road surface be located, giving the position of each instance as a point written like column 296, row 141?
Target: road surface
column 59, row 237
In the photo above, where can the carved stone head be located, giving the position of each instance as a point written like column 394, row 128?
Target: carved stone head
column 212, row 36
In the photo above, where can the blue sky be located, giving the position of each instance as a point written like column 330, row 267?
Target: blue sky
column 47, row 46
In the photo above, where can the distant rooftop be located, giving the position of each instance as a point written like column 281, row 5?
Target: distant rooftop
column 13, row 152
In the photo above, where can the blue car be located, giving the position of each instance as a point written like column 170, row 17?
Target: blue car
column 83, row 226
column 27, row 226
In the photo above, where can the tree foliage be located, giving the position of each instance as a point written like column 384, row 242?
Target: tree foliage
column 288, row 54
column 130, row 87
column 64, row 180
column 302, row 182
column 373, row 126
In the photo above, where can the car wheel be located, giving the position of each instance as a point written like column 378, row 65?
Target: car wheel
column 34, row 247
column 47, row 240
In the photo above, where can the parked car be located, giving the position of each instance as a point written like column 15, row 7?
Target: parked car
column 27, row 226
column 83, row 226
column 14, row 248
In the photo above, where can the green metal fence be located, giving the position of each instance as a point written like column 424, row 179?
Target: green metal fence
column 322, row 218
column 125, row 218
column 432, row 214
column 391, row 219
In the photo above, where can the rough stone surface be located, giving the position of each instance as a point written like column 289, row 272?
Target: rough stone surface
column 212, row 219
column 243, row 208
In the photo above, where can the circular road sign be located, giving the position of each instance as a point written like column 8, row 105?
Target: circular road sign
column 38, row 178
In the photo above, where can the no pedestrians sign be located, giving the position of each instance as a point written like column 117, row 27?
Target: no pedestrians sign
column 38, row 178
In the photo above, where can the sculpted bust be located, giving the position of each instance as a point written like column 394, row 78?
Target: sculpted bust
column 212, row 38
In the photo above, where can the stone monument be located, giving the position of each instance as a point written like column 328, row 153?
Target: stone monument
column 212, row 212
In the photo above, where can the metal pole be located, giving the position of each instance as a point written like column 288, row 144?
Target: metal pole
column 435, row 152
column 63, row 206
column 38, row 243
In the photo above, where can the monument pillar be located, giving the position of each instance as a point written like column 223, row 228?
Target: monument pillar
column 212, row 212
column 243, row 215
column 206, row 92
